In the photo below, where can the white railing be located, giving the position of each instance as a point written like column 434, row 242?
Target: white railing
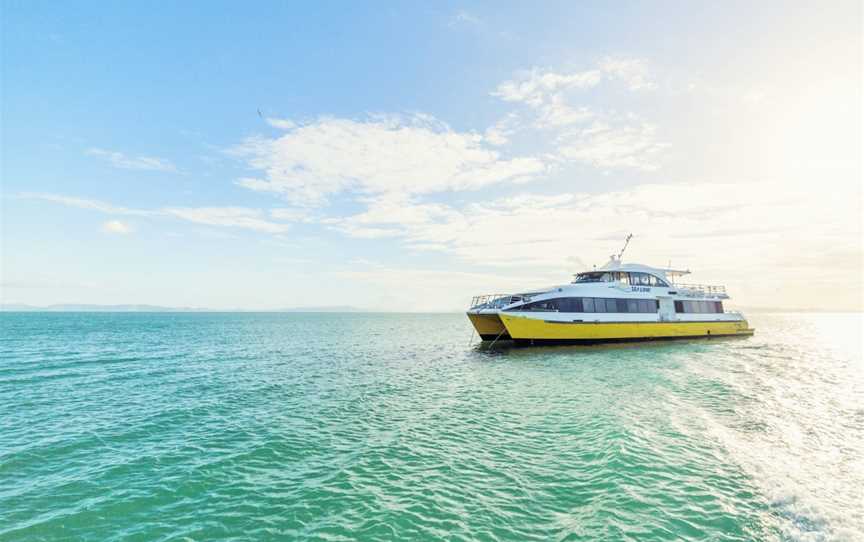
column 701, row 290
column 494, row 301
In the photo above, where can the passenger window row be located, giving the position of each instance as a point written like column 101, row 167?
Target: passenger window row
column 590, row 304
column 699, row 307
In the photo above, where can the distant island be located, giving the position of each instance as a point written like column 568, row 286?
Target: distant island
column 17, row 307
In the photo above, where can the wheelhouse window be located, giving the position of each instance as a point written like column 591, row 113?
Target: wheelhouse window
column 635, row 278
column 594, row 276
column 640, row 279
column 657, row 281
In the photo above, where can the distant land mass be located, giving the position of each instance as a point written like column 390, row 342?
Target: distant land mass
column 71, row 307
column 17, row 307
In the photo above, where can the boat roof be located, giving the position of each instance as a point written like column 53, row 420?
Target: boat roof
column 614, row 264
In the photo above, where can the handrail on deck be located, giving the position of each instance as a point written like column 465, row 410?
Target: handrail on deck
column 703, row 289
column 494, row 301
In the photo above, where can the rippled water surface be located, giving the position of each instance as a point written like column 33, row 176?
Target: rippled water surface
column 382, row 427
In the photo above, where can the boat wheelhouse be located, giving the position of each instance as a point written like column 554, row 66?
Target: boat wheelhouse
column 617, row 302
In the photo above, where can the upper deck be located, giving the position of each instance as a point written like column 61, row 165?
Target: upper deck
column 635, row 278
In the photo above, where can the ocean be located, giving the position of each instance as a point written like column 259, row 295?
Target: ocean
column 242, row 426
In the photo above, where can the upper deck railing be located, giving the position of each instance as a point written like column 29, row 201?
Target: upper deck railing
column 494, row 301
column 499, row 301
column 701, row 290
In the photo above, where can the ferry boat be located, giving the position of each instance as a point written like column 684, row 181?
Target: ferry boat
column 618, row 302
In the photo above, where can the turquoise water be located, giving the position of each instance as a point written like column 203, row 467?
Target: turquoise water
column 384, row 427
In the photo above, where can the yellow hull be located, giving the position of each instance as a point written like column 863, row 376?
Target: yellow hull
column 521, row 328
column 488, row 326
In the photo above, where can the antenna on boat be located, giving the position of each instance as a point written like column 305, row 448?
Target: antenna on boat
column 626, row 242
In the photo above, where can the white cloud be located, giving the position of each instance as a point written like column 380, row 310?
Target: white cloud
column 384, row 155
column 534, row 87
column 115, row 226
column 606, row 146
column 587, row 134
column 545, row 233
column 365, row 232
column 282, row 124
column 557, row 113
column 85, row 203
column 500, row 132
column 122, row 161
column 548, row 237
column 537, row 87
column 631, row 71
column 291, row 215
column 239, row 217
column 394, row 213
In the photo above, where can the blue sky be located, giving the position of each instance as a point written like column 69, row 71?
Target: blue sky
column 406, row 157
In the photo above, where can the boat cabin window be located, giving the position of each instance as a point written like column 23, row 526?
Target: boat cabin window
column 548, row 305
column 699, row 307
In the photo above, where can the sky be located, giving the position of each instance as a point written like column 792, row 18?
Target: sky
column 400, row 156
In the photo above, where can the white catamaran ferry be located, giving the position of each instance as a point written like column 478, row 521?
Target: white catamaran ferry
column 617, row 302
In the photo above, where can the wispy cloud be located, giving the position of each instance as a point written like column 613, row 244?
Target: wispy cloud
column 633, row 72
column 291, row 214
column 500, row 132
column 537, row 86
column 236, row 217
column 463, row 17
column 381, row 155
column 547, row 232
column 604, row 145
column 123, row 161
column 582, row 133
column 86, row 203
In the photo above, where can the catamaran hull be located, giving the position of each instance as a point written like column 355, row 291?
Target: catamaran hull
column 525, row 330
column 489, row 327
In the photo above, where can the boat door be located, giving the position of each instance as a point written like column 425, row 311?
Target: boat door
column 667, row 309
